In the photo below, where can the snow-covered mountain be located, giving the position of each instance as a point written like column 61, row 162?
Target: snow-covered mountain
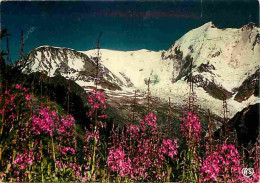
column 228, row 56
column 221, row 61
column 71, row 64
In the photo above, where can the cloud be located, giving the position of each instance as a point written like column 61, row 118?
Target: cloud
column 30, row 31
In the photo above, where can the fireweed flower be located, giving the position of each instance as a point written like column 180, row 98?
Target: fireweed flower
column 141, row 152
column 22, row 160
column 149, row 121
column 65, row 134
column 9, row 100
column 65, row 150
column 15, row 107
column 96, row 100
column 119, row 162
column 43, row 124
column 223, row 164
column 18, row 86
column 27, row 97
column 65, row 124
column 89, row 136
column 168, row 148
column 191, row 128
column 133, row 131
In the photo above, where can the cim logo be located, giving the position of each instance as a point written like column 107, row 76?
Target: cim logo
column 247, row 172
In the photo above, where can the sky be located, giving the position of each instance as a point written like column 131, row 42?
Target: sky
column 126, row 25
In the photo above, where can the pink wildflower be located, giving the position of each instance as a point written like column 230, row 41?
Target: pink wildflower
column 191, row 128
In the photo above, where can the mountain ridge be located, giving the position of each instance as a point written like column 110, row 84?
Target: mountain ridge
column 215, row 73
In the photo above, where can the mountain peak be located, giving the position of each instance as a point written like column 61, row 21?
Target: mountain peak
column 229, row 50
column 251, row 25
column 52, row 48
column 209, row 25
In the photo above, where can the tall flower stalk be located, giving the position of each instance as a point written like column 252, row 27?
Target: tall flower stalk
column 191, row 131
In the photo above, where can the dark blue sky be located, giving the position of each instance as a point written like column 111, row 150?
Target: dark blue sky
column 125, row 25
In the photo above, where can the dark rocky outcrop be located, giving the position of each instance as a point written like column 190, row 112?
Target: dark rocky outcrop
column 211, row 87
column 248, row 88
column 246, row 124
